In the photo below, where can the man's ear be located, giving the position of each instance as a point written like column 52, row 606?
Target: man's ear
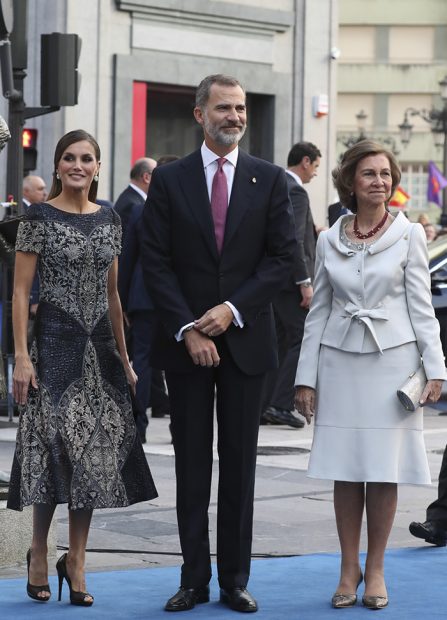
column 198, row 115
column 305, row 162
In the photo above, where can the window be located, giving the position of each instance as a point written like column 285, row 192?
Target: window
column 414, row 182
column 411, row 44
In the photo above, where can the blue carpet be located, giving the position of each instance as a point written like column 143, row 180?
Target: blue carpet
column 296, row 588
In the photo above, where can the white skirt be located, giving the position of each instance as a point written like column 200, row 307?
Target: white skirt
column 362, row 432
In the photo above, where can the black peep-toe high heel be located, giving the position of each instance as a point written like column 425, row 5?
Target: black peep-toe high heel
column 33, row 591
column 76, row 598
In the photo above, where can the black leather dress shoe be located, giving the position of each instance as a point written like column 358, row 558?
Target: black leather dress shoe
column 142, row 437
column 430, row 532
column 159, row 413
column 238, row 599
column 274, row 415
column 187, row 598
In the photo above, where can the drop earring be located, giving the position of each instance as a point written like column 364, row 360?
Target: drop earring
column 57, row 176
column 96, row 178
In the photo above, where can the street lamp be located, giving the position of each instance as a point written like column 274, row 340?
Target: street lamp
column 361, row 124
column 438, row 121
column 352, row 139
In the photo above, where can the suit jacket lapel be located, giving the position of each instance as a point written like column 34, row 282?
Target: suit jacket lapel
column 241, row 194
column 193, row 183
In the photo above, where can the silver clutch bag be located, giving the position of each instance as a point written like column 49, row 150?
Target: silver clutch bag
column 410, row 392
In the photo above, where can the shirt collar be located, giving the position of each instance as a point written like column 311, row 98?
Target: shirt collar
column 138, row 190
column 295, row 176
column 208, row 156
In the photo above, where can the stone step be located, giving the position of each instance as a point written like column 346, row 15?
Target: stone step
column 16, row 531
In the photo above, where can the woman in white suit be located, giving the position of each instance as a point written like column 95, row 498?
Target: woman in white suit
column 370, row 322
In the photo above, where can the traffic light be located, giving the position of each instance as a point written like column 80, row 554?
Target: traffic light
column 59, row 78
column 29, row 143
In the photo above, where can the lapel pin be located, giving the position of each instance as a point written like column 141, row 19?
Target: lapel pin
column 253, row 180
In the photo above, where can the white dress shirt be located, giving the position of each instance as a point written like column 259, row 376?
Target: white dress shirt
column 295, row 176
column 138, row 190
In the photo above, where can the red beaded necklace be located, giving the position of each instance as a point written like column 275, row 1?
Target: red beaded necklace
column 371, row 232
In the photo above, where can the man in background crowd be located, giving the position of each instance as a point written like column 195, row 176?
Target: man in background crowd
column 136, row 192
column 291, row 304
column 137, row 305
column 33, row 190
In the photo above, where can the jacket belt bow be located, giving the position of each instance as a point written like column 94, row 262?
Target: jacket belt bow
column 365, row 316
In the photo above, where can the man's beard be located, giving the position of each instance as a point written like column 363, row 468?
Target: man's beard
column 219, row 135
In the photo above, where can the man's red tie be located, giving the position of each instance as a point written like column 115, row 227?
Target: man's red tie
column 219, row 202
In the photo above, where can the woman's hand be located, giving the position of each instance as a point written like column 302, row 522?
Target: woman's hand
column 131, row 377
column 24, row 374
column 305, row 402
column 432, row 391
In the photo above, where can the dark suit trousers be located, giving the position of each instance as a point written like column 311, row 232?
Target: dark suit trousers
column 289, row 322
column 238, row 407
column 437, row 511
column 143, row 324
column 159, row 398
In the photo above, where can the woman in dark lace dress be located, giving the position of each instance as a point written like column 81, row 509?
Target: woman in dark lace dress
column 76, row 441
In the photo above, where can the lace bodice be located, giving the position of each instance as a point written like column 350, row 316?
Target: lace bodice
column 75, row 253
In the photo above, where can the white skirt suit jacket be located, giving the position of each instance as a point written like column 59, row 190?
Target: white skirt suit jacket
column 370, row 322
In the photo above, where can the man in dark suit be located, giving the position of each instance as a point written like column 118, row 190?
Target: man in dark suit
column 136, row 192
column 217, row 245
column 34, row 190
column 434, row 529
column 292, row 302
column 137, row 305
column 139, row 313
column 335, row 210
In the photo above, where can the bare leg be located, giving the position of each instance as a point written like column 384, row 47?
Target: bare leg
column 349, row 499
column 38, row 572
column 381, row 503
column 79, row 525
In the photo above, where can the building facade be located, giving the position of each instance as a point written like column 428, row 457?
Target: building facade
column 392, row 57
column 141, row 61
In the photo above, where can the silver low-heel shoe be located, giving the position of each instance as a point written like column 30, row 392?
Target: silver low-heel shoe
column 340, row 600
column 375, row 602
column 343, row 600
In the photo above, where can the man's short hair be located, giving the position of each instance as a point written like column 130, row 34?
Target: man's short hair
column 300, row 150
column 203, row 89
column 140, row 167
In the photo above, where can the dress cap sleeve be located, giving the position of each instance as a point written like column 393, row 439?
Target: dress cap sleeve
column 30, row 235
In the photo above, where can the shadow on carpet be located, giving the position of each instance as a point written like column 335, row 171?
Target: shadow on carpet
column 296, row 588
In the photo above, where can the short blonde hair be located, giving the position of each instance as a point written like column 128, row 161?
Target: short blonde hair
column 343, row 175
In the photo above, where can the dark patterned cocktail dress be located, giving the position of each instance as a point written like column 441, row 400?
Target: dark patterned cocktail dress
column 76, row 441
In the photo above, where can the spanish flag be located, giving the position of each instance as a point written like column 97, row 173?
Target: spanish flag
column 399, row 198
